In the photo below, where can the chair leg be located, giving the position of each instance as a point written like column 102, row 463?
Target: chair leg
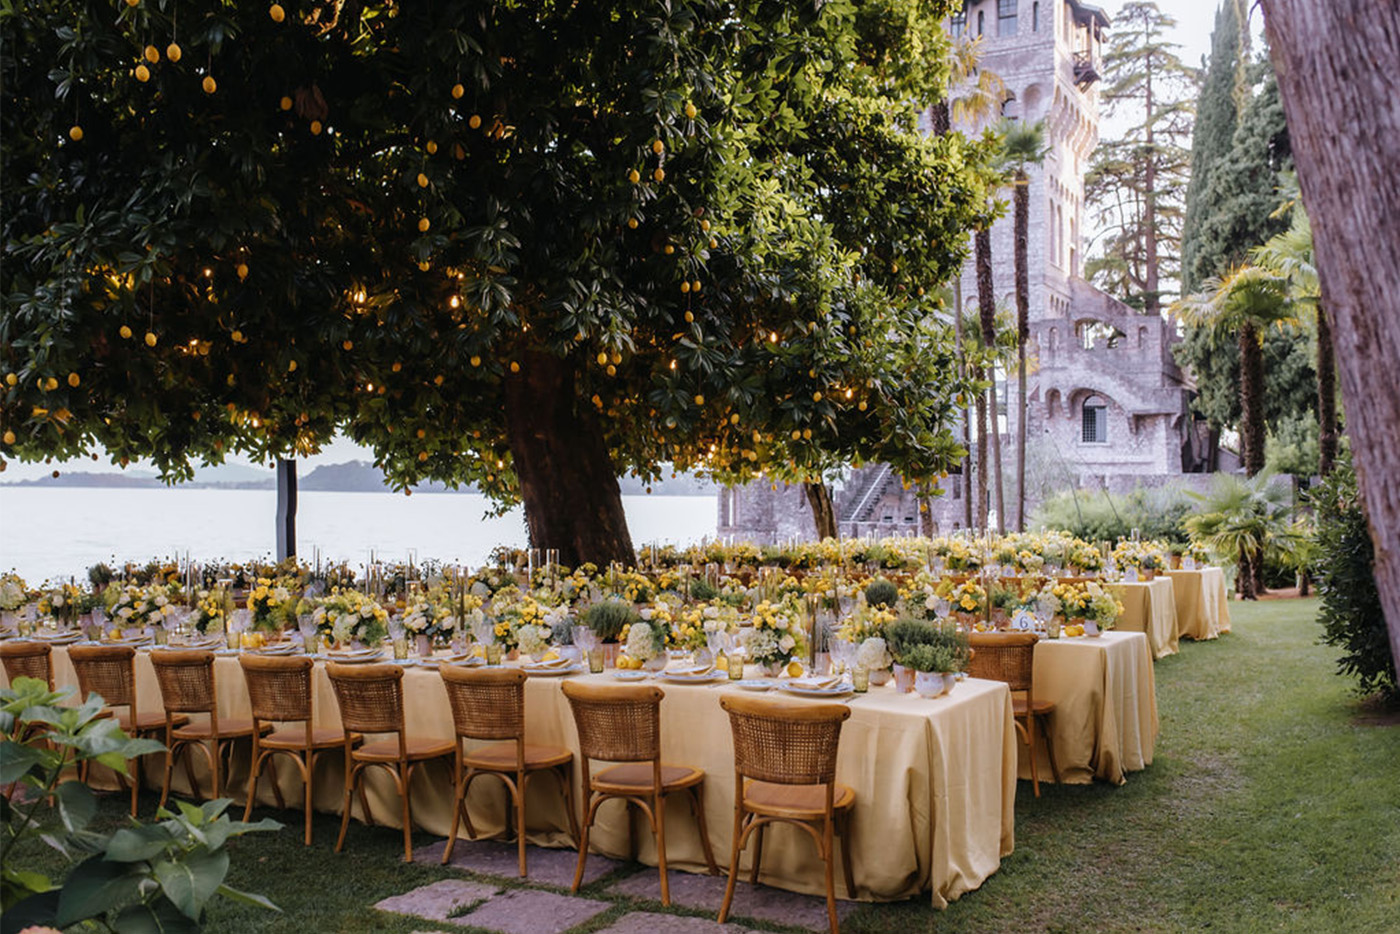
column 406, row 771
column 846, row 863
column 276, row 779
column 351, row 777
column 757, row 855
column 697, row 807
column 307, row 792
column 829, row 859
column 565, row 774
column 659, row 811
column 734, row 851
column 458, row 804
column 1030, row 741
column 254, row 770
column 583, row 843
column 518, row 792
column 169, row 768
column 133, row 768
column 1049, row 748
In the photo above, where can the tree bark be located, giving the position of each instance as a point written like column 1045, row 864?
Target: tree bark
column 987, row 312
column 823, row 511
column 1326, row 396
column 1151, row 298
column 981, row 406
column 1023, row 336
column 965, row 476
column 567, row 480
column 1244, row 576
column 940, row 119
column 1251, row 399
column 1344, row 128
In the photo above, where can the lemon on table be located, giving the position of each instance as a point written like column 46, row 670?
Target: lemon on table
column 722, row 663
column 794, row 668
column 550, row 656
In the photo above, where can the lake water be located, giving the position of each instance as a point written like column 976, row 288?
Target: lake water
column 60, row 532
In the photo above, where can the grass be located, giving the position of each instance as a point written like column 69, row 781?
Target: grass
column 1273, row 804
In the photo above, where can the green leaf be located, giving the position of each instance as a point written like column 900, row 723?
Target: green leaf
column 95, row 887
column 16, row 760
column 135, row 844
column 28, row 911
column 247, row 898
column 160, row 917
column 76, row 805
column 192, row 882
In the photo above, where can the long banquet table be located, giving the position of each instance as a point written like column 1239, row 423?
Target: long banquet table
column 1105, row 721
column 1149, row 607
column 935, row 780
column 1202, row 603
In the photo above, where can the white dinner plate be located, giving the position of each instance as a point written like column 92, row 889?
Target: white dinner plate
column 356, row 659
column 551, row 671
column 687, row 677
column 754, row 684
column 628, row 675
column 840, row 690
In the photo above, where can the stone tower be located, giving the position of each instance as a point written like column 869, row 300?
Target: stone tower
column 1107, row 406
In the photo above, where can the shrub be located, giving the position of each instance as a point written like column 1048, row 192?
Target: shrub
column 608, row 618
column 1351, row 614
column 1102, row 516
column 703, row 590
column 915, row 644
column 881, row 592
column 904, row 634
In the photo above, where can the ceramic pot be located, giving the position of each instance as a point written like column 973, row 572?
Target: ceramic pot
column 929, row 683
column 903, row 679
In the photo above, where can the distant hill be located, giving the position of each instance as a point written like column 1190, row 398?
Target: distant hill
column 349, row 477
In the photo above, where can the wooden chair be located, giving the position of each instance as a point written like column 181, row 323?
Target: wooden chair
column 622, row 724
column 109, row 671
column 371, row 701
column 489, row 704
column 785, row 772
column 186, row 680
column 27, row 659
column 1010, row 657
column 280, row 691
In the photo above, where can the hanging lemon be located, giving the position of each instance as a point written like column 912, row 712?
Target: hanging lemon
column 124, row 331
column 713, row 243
column 74, row 379
column 150, row 339
column 315, row 127
column 634, row 176
column 152, row 54
column 277, row 13
column 685, row 287
column 699, row 400
column 816, row 396
column 143, row 74
column 658, row 147
column 689, row 317
column 690, row 111
column 458, row 152
column 476, row 361
column 424, row 224
column 285, row 103
column 474, row 121
column 514, row 367
column 173, row 52
column 422, row 180
column 50, row 384
column 602, row 359
column 291, row 366
column 209, row 84
column 668, row 249
column 11, row 379
column 659, row 175
column 75, row 133
column 237, row 337
column 424, row 266
column 457, row 92
column 632, row 223
column 431, row 147
column 9, row 437
column 862, row 405
column 347, row 345
column 242, row 270
column 132, row 3
column 695, row 286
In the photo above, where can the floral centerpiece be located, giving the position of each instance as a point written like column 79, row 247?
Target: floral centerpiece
column 273, row 603
column 346, row 616
column 1086, row 602
column 688, row 631
column 646, row 642
column 967, row 599
column 66, row 603
column 13, row 593
column 1083, row 556
column 210, row 611
column 776, row 634
column 865, row 622
column 134, row 607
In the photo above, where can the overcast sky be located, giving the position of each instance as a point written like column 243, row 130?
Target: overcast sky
column 1195, row 19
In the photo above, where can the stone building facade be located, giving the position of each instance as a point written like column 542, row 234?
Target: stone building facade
column 1107, row 406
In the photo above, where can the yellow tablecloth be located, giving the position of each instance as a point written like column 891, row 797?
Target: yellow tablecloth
column 1105, row 694
column 1202, row 604
column 1149, row 607
column 935, row 780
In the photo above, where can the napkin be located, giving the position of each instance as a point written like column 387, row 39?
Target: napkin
column 692, row 671
column 550, row 664
column 818, row 683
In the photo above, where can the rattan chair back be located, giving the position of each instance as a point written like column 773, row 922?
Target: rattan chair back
column 279, row 687
column 186, row 680
column 617, row 723
column 1004, row 656
column 788, row 744
column 108, row 671
column 487, row 703
column 24, row 659
column 370, row 697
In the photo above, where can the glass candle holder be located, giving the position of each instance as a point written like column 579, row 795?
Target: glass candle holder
column 493, row 653
column 596, row 657
column 860, row 679
column 232, row 637
column 401, row 648
column 736, row 666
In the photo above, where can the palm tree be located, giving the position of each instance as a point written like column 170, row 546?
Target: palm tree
column 1247, row 300
column 1290, row 254
column 1022, row 145
column 1245, row 518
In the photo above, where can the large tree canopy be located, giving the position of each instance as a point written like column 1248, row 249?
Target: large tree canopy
column 523, row 245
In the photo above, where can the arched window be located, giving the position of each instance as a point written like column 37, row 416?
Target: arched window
column 981, row 21
column 1035, row 17
column 1006, row 17
column 957, row 23
column 1095, row 421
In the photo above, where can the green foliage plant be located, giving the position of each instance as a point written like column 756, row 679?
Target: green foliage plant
column 1101, row 516
column 881, row 592
column 608, row 618
column 926, row 646
column 141, row 878
column 1350, row 615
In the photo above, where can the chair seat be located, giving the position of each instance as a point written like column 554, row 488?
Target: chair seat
column 500, row 757
column 229, row 728
column 1018, row 707
column 797, row 802
column 146, row 722
column 387, row 750
column 294, row 737
column 631, row 778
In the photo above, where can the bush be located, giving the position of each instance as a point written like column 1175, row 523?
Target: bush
column 607, row 619
column 1102, row 516
column 881, row 592
column 1351, row 614
column 926, row 646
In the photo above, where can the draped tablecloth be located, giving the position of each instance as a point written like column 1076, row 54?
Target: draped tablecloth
column 1202, row 603
column 1105, row 720
column 935, row 780
column 1149, row 607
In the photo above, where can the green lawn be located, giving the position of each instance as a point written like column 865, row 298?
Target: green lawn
column 1272, row 805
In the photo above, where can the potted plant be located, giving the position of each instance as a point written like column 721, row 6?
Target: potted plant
column 902, row 636
column 607, row 620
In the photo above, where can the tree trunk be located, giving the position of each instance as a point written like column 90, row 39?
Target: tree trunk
column 1151, row 298
column 1251, row 400
column 965, row 476
column 823, row 511
column 925, row 512
column 940, row 118
column 981, row 405
column 986, row 312
column 1344, row 128
column 1244, row 576
column 1326, row 396
column 1023, row 336
column 567, row 480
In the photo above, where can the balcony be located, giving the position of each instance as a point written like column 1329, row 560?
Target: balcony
column 1087, row 69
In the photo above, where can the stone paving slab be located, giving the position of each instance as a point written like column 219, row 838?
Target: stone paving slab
column 439, row 900
column 646, row 922
column 706, row 893
column 546, row 865
column 530, row 911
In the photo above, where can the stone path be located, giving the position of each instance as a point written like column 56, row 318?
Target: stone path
column 511, row 905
